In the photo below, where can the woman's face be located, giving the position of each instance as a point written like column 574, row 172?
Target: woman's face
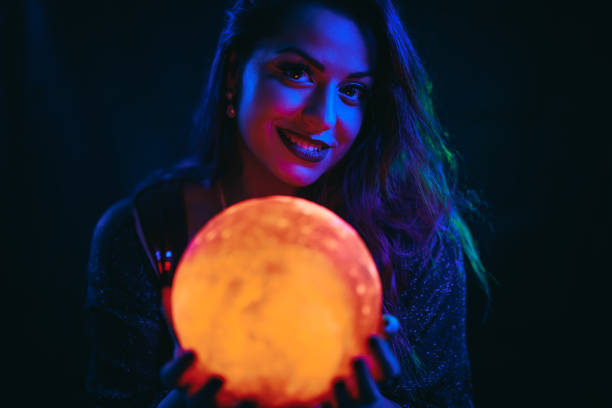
column 302, row 94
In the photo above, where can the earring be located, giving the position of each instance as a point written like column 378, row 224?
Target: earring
column 230, row 111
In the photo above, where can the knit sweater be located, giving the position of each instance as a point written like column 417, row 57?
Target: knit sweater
column 130, row 340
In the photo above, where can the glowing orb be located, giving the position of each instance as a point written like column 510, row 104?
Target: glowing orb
column 276, row 295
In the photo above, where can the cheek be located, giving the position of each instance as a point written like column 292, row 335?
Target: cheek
column 287, row 101
column 349, row 125
column 267, row 99
column 350, row 119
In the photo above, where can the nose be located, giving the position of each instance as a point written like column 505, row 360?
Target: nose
column 319, row 114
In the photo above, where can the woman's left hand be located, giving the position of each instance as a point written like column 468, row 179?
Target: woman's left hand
column 369, row 395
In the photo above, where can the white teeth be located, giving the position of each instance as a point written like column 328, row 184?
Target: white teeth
column 300, row 142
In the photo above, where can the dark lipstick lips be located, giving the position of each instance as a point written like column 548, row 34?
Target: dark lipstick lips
column 313, row 156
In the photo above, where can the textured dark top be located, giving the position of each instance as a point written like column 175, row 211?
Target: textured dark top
column 130, row 340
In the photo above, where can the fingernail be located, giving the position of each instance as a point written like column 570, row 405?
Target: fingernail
column 391, row 323
column 359, row 363
column 215, row 382
column 187, row 355
column 246, row 404
column 373, row 341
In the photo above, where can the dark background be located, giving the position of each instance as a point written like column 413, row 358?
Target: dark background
column 97, row 95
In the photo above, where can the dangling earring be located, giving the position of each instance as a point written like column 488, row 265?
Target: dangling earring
column 230, row 111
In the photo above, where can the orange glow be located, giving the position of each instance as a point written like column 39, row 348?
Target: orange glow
column 276, row 295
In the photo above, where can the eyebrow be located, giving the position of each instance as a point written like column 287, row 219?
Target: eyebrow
column 316, row 63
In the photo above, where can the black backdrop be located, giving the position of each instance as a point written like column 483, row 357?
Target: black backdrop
column 98, row 95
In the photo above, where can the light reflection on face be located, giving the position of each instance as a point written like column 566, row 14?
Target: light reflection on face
column 311, row 79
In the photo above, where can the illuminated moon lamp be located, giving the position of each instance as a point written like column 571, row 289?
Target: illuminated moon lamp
column 276, row 295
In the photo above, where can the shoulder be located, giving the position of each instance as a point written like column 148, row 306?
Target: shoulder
column 449, row 256
column 114, row 238
column 120, row 276
column 447, row 271
column 188, row 170
column 443, row 263
column 114, row 219
column 432, row 317
column 117, row 273
column 437, row 287
column 149, row 200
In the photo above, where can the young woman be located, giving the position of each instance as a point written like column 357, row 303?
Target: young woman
column 325, row 100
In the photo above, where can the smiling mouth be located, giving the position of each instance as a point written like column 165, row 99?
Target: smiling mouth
column 308, row 150
column 302, row 141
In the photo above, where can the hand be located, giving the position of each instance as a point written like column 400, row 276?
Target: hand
column 173, row 370
column 178, row 398
column 369, row 395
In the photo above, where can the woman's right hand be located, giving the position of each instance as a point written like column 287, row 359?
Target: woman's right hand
column 178, row 398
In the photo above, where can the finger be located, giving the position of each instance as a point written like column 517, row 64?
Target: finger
column 175, row 399
column 368, row 391
column 391, row 323
column 205, row 396
column 172, row 371
column 388, row 362
column 246, row 404
column 343, row 398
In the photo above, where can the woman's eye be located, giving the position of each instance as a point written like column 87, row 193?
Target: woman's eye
column 295, row 72
column 354, row 91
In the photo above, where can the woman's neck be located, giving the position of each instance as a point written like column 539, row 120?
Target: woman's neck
column 255, row 181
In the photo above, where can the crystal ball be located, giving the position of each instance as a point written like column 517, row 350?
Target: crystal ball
column 277, row 296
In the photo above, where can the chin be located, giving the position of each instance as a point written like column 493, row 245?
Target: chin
column 297, row 180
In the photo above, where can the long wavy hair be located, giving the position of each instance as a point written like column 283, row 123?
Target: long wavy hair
column 398, row 183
